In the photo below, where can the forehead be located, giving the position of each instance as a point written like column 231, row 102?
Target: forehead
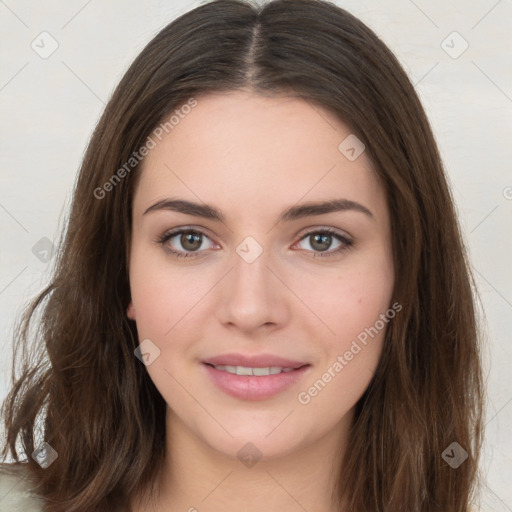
column 242, row 149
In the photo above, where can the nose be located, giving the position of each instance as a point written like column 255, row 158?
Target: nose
column 253, row 296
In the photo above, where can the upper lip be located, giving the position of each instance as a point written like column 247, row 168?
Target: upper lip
column 256, row 361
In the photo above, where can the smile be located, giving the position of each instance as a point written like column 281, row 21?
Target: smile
column 254, row 383
column 245, row 370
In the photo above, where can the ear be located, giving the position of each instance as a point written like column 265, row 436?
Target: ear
column 130, row 311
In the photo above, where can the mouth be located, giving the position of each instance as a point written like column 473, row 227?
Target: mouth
column 253, row 361
column 251, row 383
column 254, row 370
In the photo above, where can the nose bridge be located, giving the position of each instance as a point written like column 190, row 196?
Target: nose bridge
column 251, row 288
column 250, row 272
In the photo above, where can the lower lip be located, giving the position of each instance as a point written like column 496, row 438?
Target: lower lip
column 247, row 387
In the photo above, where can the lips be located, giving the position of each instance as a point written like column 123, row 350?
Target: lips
column 252, row 387
column 254, row 377
column 255, row 361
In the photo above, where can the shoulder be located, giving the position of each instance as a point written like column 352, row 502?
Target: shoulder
column 16, row 489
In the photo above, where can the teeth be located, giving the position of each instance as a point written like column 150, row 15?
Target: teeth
column 244, row 370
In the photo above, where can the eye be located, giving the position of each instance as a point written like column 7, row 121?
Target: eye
column 321, row 240
column 190, row 240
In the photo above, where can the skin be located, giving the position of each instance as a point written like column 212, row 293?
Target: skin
column 251, row 157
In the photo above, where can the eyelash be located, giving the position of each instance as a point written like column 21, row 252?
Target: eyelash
column 347, row 244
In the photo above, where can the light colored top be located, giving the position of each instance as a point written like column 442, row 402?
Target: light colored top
column 16, row 489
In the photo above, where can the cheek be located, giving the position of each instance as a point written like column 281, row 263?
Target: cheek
column 153, row 295
column 350, row 301
column 350, row 355
column 160, row 302
column 356, row 308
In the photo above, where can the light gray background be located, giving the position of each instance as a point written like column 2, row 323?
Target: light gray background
column 48, row 109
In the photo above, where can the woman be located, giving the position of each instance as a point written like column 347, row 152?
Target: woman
column 262, row 300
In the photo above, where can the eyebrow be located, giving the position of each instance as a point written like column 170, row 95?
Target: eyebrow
column 293, row 213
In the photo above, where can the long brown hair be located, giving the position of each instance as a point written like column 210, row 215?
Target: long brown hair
column 100, row 410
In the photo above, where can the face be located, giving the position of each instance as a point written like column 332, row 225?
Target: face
column 312, row 287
